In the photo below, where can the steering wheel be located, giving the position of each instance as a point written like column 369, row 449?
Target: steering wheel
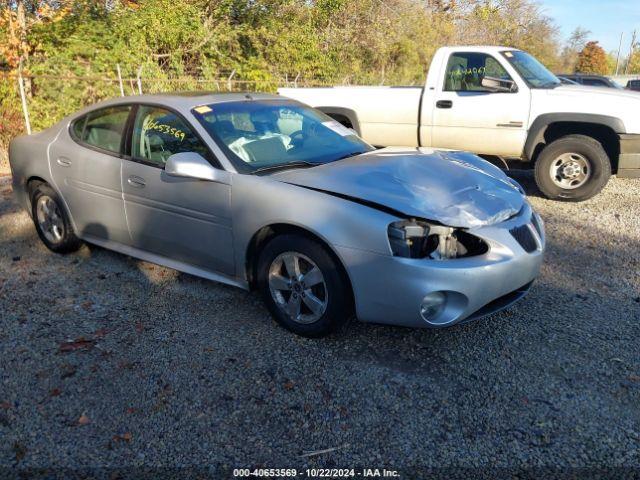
column 297, row 138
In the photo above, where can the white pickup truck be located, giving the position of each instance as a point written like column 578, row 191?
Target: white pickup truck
column 502, row 103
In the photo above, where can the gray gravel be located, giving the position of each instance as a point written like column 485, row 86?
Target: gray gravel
column 171, row 371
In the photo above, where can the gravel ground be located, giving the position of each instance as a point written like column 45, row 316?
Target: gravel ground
column 168, row 370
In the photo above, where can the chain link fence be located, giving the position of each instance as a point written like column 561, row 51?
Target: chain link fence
column 34, row 102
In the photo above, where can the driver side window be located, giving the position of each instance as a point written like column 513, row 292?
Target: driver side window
column 465, row 72
column 159, row 133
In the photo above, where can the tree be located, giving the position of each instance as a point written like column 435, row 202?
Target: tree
column 634, row 63
column 575, row 43
column 592, row 59
column 512, row 23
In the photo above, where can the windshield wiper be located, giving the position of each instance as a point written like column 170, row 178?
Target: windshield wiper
column 349, row 155
column 282, row 166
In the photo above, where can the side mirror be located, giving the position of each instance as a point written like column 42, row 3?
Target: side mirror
column 192, row 165
column 499, row 85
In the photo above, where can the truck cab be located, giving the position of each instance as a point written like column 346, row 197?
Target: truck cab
column 500, row 102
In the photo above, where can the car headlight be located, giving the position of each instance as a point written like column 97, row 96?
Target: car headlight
column 420, row 239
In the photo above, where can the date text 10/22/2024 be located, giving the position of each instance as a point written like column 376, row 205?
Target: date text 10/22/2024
column 317, row 472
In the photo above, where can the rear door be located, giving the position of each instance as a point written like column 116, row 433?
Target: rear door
column 183, row 219
column 85, row 163
column 467, row 116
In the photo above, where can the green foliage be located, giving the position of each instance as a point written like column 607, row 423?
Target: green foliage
column 10, row 114
column 196, row 44
column 634, row 63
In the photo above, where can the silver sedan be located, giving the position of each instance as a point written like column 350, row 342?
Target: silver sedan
column 262, row 192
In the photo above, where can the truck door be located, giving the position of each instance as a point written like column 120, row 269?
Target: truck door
column 468, row 116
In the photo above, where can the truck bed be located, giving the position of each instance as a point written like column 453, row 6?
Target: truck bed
column 386, row 115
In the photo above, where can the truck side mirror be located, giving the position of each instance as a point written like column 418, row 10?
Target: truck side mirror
column 499, row 85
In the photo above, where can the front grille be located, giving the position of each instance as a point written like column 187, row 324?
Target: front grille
column 524, row 237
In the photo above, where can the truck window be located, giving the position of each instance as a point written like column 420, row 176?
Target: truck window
column 594, row 82
column 465, row 72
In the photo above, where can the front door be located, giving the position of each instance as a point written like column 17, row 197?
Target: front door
column 183, row 219
column 467, row 116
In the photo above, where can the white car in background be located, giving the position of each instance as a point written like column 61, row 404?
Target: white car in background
column 502, row 103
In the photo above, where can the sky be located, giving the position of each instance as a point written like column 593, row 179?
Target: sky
column 605, row 19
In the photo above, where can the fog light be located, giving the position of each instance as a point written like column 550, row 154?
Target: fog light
column 433, row 305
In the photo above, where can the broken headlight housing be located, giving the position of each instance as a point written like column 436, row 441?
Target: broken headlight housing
column 414, row 238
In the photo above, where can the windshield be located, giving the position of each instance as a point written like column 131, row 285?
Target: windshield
column 531, row 70
column 261, row 135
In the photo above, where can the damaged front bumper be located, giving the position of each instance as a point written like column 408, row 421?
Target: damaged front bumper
column 393, row 290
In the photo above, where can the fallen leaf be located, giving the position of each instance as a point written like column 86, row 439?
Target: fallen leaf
column 55, row 392
column 289, row 385
column 80, row 343
column 139, row 327
column 5, row 405
column 87, row 305
column 131, row 410
column 634, row 378
column 124, row 365
column 83, row 420
column 100, row 332
column 125, row 437
column 19, row 450
column 68, row 372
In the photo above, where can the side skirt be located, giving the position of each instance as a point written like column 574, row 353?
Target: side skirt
column 166, row 262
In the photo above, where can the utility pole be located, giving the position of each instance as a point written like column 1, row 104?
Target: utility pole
column 633, row 44
column 619, row 49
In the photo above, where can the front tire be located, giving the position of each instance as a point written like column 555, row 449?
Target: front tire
column 51, row 220
column 303, row 286
column 573, row 168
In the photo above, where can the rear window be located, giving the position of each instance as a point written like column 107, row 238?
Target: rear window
column 594, row 82
column 102, row 128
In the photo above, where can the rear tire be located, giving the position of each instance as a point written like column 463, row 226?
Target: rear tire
column 310, row 305
column 573, row 168
column 51, row 220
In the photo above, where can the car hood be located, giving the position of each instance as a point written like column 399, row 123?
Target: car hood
column 453, row 188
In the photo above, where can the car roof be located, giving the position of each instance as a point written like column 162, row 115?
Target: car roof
column 184, row 101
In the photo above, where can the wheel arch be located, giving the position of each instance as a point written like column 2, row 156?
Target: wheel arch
column 33, row 182
column 346, row 116
column 549, row 127
column 268, row 232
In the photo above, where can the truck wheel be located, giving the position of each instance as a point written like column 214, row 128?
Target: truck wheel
column 573, row 168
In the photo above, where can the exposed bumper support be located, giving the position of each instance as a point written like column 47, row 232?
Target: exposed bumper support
column 629, row 160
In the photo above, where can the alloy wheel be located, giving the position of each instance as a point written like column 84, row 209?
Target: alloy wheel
column 298, row 287
column 50, row 219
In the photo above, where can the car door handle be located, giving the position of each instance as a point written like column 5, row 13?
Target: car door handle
column 135, row 181
column 444, row 104
column 63, row 161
